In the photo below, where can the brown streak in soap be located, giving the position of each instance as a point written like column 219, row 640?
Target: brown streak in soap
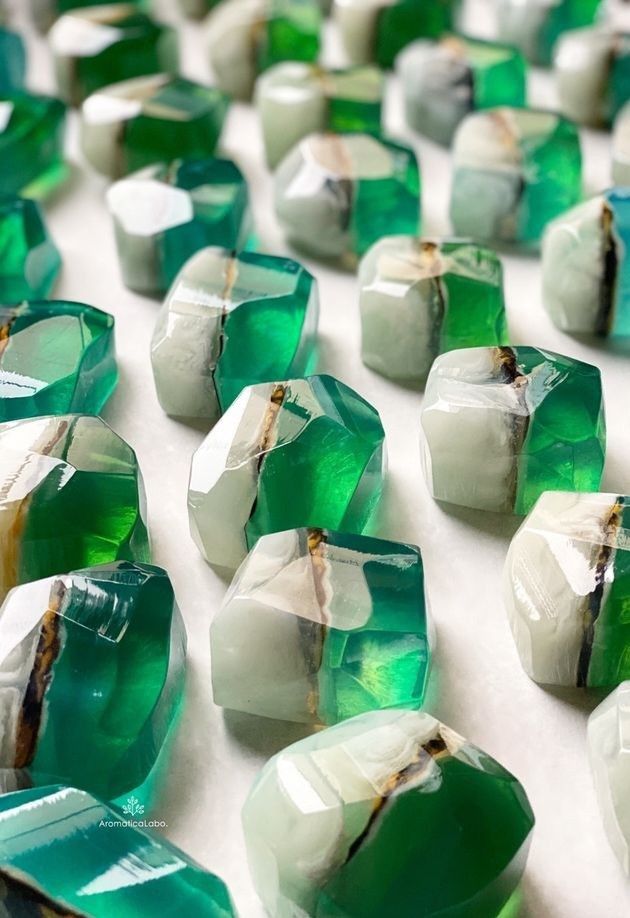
column 509, row 372
column 606, row 310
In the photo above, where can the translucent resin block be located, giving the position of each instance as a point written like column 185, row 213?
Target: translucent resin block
column 29, row 260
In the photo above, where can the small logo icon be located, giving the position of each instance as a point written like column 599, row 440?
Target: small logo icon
column 133, row 807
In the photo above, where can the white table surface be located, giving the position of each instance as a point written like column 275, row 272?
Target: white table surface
column 477, row 685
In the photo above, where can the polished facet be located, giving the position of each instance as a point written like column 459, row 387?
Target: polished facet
column 296, row 99
column 91, row 675
column 95, row 46
column 389, row 813
column 501, row 425
column 65, row 853
column 29, row 260
column 12, row 60
column 56, row 357
column 446, row 80
column 567, row 589
column 158, row 118
column 230, row 321
column 376, row 30
column 71, row 496
column 31, row 143
column 592, row 70
column 165, row 213
column 586, row 266
column 534, row 26
column 337, row 194
column 514, row 170
column 621, row 147
column 305, row 452
column 318, row 626
column 245, row 37
column 420, row 298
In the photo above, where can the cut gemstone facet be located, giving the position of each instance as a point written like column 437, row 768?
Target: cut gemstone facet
column 376, row 30
column 245, row 37
column 501, row 425
column 420, row 298
column 96, row 46
column 230, row 321
column 31, row 144
column 55, row 358
column 567, row 589
column 149, row 120
column 336, row 194
column 91, row 675
column 621, row 147
column 306, row 452
column 608, row 736
column 444, row 81
column 592, row 72
column 318, row 626
column 29, row 260
column 12, row 60
column 165, row 213
column 60, row 846
column 514, row 171
column 534, row 26
column 326, row 819
column 71, row 496
column 586, row 266
column 295, row 100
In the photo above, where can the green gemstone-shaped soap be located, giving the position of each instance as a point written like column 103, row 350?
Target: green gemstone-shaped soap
column 534, row 26
column 55, row 358
column 71, row 496
column 31, row 144
column 165, row 213
column 245, row 37
column 91, row 686
column 230, row 321
column 29, row 260
column 389, row 813
column 96, row 46
column 150, row 119
column 336, row 194
column 45, row 12
column 318, row 626
column 12, row 60
column 304, row 452
column 66, row 854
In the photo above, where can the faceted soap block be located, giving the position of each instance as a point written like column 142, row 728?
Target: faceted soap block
column 514, row 170
column 608, row 737
column 337, row 194
column 586, row 266
column 56, row 357
column 12, row 60
column 501, row 425
column 419, row 298
column 148, row 120
column 621, row 147
column 376, row 30
column 230, row 321
column 45, row 12
column 91, row 674
column 165, row 213
column 592, row 73
column 389, row 813
column 295, row 100
column 567, row 590
column 318, row 626
column 306, row 452
column 534, row 26
column 71, row 496
column 31, row 144
column 246, row 37
column 29, row 260
column 96, row 46
column 444, row 81
column 64, row 853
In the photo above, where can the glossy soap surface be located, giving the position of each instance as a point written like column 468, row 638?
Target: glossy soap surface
column 31, row 143
column 318, row 626
column 356, row 820
column 61, row 857
column 29, row 260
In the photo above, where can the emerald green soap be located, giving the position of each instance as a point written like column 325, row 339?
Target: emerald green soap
column 12, row 60
column 31, row 143
column 29, row 259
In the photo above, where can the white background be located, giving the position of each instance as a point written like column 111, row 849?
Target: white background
column 477, row 685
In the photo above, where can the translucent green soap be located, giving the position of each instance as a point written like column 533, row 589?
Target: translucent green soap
column 63, row 854
column 29, row 260
column 45, row 12
column 12, row 60
column 31, row 143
